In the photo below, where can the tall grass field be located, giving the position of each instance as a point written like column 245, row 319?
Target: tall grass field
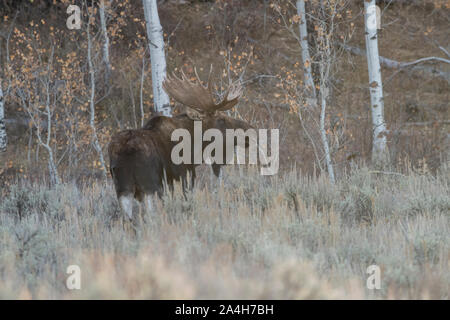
column 246, row 237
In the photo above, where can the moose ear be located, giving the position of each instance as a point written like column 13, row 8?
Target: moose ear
column 220, row 122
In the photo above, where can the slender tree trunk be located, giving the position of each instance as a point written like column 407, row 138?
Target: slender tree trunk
column 96, row 143
column 105, row 36
column 323, row 134
column 34, row 112
column 325, row 66
column 53, row 171
column 312, row 99
column 306, row 58
column 311, row 96
column 157, row 57
column 3, row 136
column 379, row 147
column 141, row 90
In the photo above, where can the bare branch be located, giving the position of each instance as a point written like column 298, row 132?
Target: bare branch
column 393, row 64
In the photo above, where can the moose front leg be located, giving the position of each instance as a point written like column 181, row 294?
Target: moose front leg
column 187, row 182
column 218, row 173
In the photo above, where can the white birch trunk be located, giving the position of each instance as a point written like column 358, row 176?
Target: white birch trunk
column 53, row 171
column 307, row 73
column 3, row 136
column 157, row 57
column 379, row 148
column 312, row 99
column 306, row 58
column 96, row 143
column 141, row 91
column 105, row 36
column 323, row 133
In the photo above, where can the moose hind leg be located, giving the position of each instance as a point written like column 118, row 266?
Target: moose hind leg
column 126, row 204
column 148, row 204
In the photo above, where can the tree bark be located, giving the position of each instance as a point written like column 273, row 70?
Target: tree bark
column 379, row 147
column 413, row 65
column 323, row 133
column 309, row 82
column 141, row 91
column 105, row 36
column 157, row 57
column 312, row 99
column 3, row 136
column 96, row 143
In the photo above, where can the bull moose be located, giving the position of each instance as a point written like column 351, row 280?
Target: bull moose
column 140, row 159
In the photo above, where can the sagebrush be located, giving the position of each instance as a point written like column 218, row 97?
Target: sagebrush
column 291, row 237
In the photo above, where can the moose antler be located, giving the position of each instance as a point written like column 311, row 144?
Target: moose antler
column 199, row 97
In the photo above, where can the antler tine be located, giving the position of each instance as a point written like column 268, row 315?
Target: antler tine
column 231, row 97
column 193, row 95
column 198, row 78
column 184, row 77
column 208, row 83
column 209, row 76
column 199, row 97
column 235, row 91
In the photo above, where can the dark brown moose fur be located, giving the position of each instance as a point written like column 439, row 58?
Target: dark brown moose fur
column 140, row 159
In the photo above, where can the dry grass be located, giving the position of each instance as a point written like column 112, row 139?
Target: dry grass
column 287, row 237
